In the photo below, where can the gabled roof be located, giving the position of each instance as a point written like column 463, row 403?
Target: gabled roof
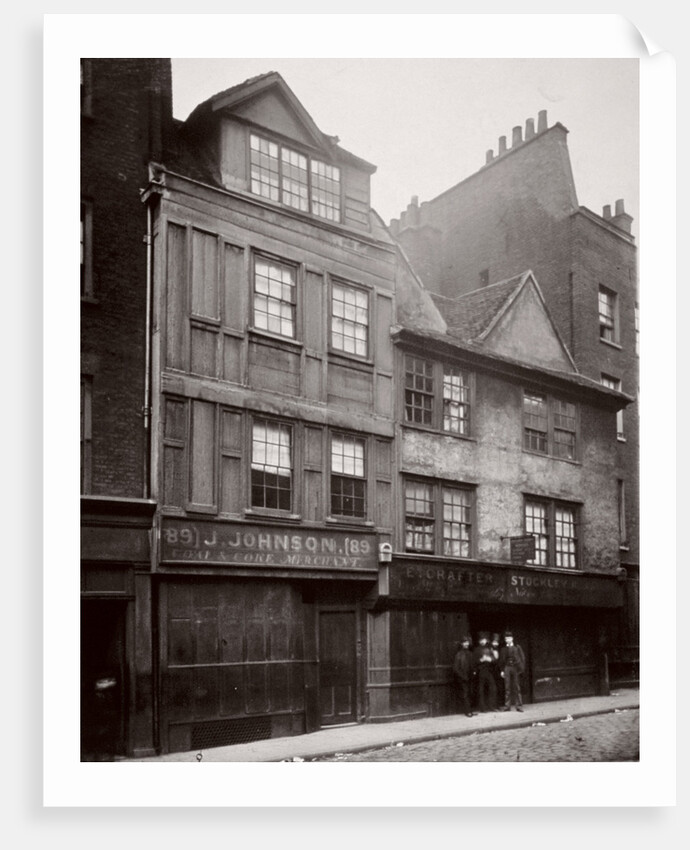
column 481, row 317
column 470, row 315
column 235, row 96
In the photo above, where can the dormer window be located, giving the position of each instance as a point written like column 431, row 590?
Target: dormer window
column 294, row 179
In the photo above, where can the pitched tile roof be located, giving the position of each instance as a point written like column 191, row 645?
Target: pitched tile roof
column 469, row 315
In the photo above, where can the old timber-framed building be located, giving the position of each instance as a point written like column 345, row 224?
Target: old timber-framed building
column 264, row 509
column 520, row 211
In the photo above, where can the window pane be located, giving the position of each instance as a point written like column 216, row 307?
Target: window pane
column 607, row 315
column 419, row 390
column 457, row 512
column 274, row 297
column 350, row 319
column 536, row 524
column 271, row 465
column 264, row 167
column 535, row 420
column 419, row 517
column 456, row 408
column 565, row 538
column 325, row 190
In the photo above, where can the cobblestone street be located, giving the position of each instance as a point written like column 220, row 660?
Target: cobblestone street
column 607, row 737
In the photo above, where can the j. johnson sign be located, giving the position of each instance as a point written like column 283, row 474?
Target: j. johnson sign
column 477, row 583
column 254, row 545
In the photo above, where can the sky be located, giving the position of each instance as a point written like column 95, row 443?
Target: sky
column 427, row 123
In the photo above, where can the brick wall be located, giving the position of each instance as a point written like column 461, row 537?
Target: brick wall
column 122, row 131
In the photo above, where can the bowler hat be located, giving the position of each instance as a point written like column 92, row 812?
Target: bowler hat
column 507, row 634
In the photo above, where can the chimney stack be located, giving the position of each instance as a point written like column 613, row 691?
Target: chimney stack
column 529, row 128
column 621, row 218
column 489, row 156
column 413, row 212
column 607, row 211
column 501, row 145
column 517, row 136
column 541, row 125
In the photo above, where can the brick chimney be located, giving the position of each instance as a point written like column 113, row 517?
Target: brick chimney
column 621, row 218
column 529, row 128
column 541, row 118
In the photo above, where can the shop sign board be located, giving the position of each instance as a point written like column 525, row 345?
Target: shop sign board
column 522, row 549
column 204, row 542
column 493, row 584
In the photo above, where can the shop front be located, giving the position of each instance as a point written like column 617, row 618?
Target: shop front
column 116, row 708
column 261, row 630
column 561, row 619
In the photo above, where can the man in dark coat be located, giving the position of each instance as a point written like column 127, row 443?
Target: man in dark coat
column 512, row 663
column 484, row 662
column 462, row 671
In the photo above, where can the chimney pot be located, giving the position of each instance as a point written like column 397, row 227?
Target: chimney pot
column 541, row 125
column 620, row 207
column 517, row 135
column 607, row 211
column 501, row 145
column 529, row 128
column 489, row 155
column 415, row 200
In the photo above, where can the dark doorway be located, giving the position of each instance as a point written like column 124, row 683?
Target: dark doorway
column 337, row 667
column 102, row 680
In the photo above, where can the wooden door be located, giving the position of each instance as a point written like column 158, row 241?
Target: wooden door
column 337, row 667
column 103, row 685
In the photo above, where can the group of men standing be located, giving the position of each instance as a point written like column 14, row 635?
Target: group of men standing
column 487, row 671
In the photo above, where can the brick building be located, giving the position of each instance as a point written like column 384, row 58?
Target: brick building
column 520, row 211
column 125, row 114
column 249, row 331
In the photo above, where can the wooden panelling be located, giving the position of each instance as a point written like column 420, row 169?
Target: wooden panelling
column 384, row 395
column 234, row 648
column 205, row 275
column 384, row 320
column 313, row 503
column 314, row 294
column 349, row 387
column 176, row 298
column 313, row 377
column 203, row 453
column 273, row 368
column 313, row 447
column 204, row 351
column 231, row 433
column 232, row 359
column 174, row 477
column 384, row 509
column 235, row 288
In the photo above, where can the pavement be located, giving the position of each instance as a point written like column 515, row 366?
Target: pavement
column 359, row 737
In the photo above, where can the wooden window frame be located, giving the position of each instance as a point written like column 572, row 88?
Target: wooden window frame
column 615, row 384
column 313, row 177
column 86, row 434
column 341, row 352
column 551, row 550
column 439, row 371
column 264, row 509
column 553, row 425
column 296, row 290
column 609, row 324
column 86, row 249
column 364, row 478
column 438, row 489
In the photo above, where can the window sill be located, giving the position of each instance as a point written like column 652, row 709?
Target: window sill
column 352, row 361
column 624, row 547
column 268, row 337
column 621, row 438
column 552, row 457
column 267, row 513
column 89, row 299
column 612, row 344
column 429, row 430
column 349, row 520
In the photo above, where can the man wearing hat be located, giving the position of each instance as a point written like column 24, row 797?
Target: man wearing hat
column 462, row 670
column 495, row 651
column 512, row 664
column 484, row 663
